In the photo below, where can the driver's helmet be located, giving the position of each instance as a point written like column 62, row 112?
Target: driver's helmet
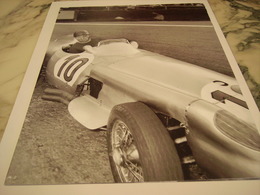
column 82, row 36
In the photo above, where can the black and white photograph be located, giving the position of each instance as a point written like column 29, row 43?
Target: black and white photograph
column 135, row 94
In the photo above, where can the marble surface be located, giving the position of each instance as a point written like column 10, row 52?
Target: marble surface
column 21, row 22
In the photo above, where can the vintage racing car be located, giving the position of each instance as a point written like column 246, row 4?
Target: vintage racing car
column 151, row 105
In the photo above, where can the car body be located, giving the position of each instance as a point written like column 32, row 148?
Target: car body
column 208, row 105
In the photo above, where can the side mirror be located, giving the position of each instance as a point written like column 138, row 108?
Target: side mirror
column 134, row 44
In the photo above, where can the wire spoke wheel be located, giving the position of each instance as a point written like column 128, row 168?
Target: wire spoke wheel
column 125, row 154
column 140, row 148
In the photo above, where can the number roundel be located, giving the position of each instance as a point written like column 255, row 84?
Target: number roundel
column 68, row 68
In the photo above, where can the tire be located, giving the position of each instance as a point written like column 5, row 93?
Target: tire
column 140, row 148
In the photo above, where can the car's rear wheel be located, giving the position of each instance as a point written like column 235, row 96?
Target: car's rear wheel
column 140, row 148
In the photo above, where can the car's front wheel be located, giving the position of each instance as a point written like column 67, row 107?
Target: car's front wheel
column 140, row 148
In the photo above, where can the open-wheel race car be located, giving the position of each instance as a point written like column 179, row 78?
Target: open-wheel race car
column 151, row 105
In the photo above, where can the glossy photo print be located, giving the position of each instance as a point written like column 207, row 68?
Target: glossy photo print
column 134, row 93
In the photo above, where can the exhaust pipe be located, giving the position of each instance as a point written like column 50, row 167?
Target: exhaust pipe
column 57, row 95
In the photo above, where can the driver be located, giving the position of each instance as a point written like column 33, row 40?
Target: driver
column 82, row 39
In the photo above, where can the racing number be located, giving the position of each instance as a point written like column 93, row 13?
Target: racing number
column 76, row 64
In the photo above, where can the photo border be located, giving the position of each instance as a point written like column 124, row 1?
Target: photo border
column 14, row 126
